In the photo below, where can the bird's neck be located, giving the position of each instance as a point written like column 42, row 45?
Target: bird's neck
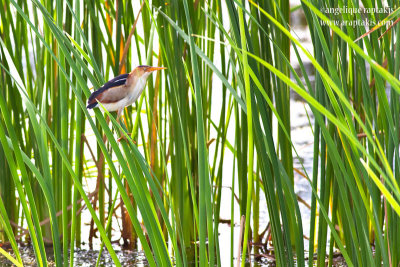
column 139, row 85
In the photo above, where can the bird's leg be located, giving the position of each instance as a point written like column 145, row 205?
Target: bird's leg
column 124, row 118
column 119, row 113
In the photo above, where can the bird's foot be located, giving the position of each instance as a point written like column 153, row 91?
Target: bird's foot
column 123, row 137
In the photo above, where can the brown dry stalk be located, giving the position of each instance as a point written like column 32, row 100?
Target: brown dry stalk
column 128, row 40
column 210, row 142
column 242, row 221
column 100, row 179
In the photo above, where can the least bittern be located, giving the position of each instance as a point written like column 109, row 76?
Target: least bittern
column 122, row 91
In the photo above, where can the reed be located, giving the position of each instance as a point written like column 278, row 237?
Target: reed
column 168, row 184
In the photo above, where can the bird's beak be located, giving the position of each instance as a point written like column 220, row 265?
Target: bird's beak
column 150, row 69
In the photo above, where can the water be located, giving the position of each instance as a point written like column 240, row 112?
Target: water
column 82, row 257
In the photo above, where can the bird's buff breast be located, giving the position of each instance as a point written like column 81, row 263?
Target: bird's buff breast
column 136, row 92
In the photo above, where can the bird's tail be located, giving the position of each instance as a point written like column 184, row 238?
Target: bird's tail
column 92, row 105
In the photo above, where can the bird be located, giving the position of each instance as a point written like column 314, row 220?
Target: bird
column 122, row 90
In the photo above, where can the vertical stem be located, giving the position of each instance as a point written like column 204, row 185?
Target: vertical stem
column 64, row 138
column 256, row 211
column 242, row 222
column 78, row 154
column 250, row 132
column 205, row 207
column 233, row 203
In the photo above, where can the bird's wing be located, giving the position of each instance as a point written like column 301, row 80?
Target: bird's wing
column 112, row 91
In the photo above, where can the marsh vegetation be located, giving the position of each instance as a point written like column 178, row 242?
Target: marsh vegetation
column 221, row 111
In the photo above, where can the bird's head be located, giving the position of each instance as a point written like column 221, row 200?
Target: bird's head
column 144, row 71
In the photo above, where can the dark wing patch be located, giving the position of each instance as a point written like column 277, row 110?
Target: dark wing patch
column 117, row 81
